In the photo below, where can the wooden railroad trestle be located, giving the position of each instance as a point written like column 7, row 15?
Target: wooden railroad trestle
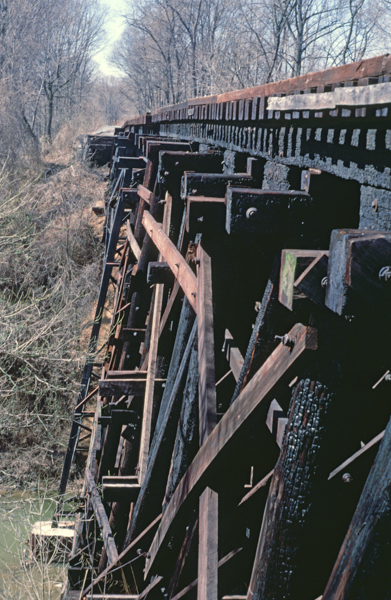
column 244, row 396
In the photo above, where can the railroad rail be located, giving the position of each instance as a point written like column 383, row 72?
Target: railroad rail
column 240, row 444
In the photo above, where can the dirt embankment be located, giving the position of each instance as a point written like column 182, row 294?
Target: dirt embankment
column 50, row 265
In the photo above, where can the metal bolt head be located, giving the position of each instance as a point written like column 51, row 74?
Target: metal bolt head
column 324, row 282
column 375, row 205
column 385, row 273
column 251, row 212
column 347, row 478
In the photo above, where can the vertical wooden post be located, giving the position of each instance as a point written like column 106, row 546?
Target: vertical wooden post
column 152, row 358
column 208, row 546
column 206, row 354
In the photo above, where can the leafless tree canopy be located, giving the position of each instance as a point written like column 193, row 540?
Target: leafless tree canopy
column 46, row 48
column 176, row 49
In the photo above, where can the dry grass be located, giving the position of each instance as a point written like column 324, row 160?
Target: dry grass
column 50, row 254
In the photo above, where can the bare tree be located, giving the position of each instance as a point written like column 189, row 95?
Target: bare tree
column 175, row 49
column 45, row 58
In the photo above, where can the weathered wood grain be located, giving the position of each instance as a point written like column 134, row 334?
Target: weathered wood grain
column 101, row 517
column 206, row 347
column 174, row 259
column 207, row 588
column 280, row 361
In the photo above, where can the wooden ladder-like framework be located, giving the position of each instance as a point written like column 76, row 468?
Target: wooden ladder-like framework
column 239, row 446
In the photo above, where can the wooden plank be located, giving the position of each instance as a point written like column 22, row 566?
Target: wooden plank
column 378, row 93
column 186, row 440
column 355, row 260
column 366, row 258
column 144, row 193
column 272, row 319
column 212, row 186
column 364, row 68
column 276, row 421
column 183, row 554
column 115, row 492
column 293, row 263
column 264, row 481
column 278, row 364
column 175, row 260
column 151, row 494
column 312, row 282
column 150, row 383
column 112, row 596
column 169, row 306
column 132, row 546
column 121, row 387
column 376, row 440
column 207, row 588
column 101, row 517
column 145, row 439
column 87, row 398
column 120, row 479
column 268, row 212
column 110, row 251
column 206, row 351
column 126, row 374
column 132, row 241
column 159, row 272
column 150, row 587
column 287, row 531
column 233, row 355
column 205, row 214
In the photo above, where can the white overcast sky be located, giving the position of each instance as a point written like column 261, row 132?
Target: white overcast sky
column 114, row 29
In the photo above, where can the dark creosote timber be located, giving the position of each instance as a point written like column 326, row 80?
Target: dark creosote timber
column 240, row 444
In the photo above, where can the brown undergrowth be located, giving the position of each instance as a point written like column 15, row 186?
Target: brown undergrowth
column 50, row 255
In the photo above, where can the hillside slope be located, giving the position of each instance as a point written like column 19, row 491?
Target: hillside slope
column 50, row 250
